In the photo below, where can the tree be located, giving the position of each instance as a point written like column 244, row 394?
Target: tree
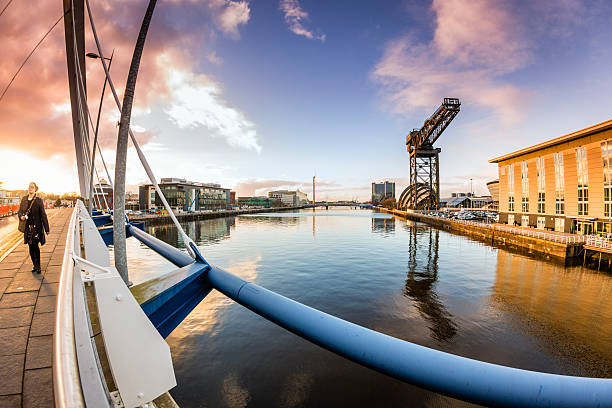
column 389, row 203
column 57, row 203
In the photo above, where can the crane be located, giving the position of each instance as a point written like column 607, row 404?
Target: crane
column 424, row 189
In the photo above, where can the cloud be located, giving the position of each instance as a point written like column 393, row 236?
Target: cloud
column 213, row 58
column 474, row 44
column 481, row 33
column 325, row 188
column 294, row 17
column 195, row 101
column 230, row 15
column 35, row 114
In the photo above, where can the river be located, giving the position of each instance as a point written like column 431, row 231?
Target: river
column 405, row 279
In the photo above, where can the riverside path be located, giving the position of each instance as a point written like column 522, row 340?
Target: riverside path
column 27, row 318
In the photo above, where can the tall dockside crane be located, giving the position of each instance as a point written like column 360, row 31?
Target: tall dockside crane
column 424, row 190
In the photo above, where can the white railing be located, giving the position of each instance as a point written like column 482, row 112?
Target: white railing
column 66, row 381
column 599, row 242
column 140, row 373
column 547, row 236
column 562, row 238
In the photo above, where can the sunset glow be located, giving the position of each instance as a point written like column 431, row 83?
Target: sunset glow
column 261, row 96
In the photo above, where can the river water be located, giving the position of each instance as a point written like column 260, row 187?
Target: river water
column 405, row 279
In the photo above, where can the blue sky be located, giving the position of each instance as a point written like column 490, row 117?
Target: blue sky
column 262, row 95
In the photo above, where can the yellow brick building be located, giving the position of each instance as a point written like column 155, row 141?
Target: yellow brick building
column 564, row 184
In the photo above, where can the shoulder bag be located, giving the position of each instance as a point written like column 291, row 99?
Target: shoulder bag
column 22, row 223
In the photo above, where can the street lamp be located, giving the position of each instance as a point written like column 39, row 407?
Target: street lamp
column 93, row 55
column 93, row 156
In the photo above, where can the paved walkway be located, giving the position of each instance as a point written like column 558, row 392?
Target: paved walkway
column 27, row 319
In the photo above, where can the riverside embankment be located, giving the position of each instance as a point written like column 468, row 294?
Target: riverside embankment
column 158, row 219
column 560, row 247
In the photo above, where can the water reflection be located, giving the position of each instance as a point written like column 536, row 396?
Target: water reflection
column 422, row 276
column 284, row 219
column 204, row 232
column 385, row 225
column 570, row 309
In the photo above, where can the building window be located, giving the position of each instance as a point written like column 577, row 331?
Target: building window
column 583, row 181
column 606, row 155
column 524, row 179
column 541, row 185
column 559, row 184
column 511, row 219
column 525, row 204
column 541, row 203
column 510, row 204
column 559, row 224
column 540, row 174
column 510, row 179
column 541, row 223
column 525, row 221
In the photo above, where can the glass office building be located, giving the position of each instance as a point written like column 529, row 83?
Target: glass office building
column 183, row 195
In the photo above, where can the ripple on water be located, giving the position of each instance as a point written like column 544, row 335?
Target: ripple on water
column 405, row 279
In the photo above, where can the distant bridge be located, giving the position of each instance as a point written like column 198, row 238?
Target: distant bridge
column 341, row 204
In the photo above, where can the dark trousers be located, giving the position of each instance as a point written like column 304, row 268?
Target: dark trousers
column 35, row 253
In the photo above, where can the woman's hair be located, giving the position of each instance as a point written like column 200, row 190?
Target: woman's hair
column 35, row 185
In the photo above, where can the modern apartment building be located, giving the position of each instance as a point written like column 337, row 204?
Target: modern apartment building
column 564, row 184
column 257, row 202
column 183, row 195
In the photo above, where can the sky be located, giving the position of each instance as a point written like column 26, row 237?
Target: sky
column 262, row 95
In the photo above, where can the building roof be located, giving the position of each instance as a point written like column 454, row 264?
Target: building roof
column 493, row 182
column 557, row 141
column 453, row 200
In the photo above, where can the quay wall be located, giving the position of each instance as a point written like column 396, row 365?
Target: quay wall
column 160, row 219
column 558, row 251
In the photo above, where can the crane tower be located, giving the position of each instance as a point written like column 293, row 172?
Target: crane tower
column 424, row 190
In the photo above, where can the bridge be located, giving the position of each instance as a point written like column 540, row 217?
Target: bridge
column 341, row 204
column 108, row 344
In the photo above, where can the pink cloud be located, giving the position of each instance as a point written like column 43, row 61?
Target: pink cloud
column 482, row 33
column 33, row 117
column 295, row 17
column 475, row 44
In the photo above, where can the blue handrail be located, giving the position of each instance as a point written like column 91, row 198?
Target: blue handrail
column 458, row 377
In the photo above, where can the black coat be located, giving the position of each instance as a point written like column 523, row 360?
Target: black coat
column 36, row 217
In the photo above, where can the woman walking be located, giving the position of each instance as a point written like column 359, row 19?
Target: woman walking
column 32, row 210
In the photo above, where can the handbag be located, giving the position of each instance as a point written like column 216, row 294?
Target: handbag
column 22, row 223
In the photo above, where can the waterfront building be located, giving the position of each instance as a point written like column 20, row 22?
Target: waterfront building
column 289, row 198
column 102, row 191
column 7, row 198
column 465, row 200
column 131, row 201
column 382, row 191
column 493, row 187
column 183, row 195
column 232, row 197
column 257, row 202
column 563, row 184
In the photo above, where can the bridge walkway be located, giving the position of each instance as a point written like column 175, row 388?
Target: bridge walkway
column 27, row 318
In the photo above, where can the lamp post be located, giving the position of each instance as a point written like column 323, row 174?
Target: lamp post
column 93, row 156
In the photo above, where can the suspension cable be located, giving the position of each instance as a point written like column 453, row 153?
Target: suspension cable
column 93, row 156
column 103, row 195
column 31, row 52
column 189, row 244
column 105, row 168
column 5, row 7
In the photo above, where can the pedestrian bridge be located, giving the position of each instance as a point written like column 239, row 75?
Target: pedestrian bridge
column 109, row 347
